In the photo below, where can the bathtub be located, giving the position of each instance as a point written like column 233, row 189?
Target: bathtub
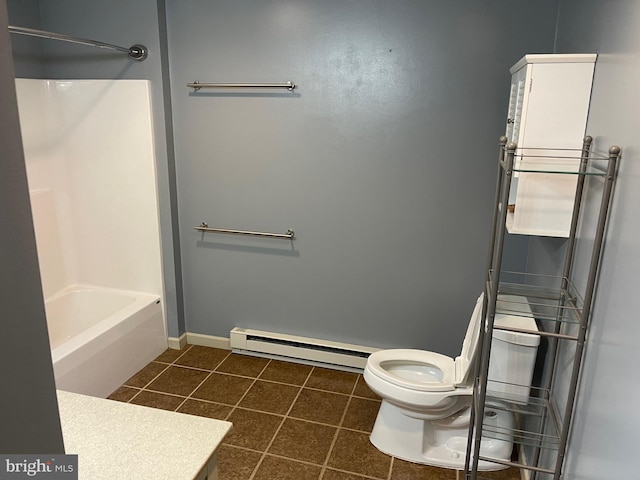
column 100, row 337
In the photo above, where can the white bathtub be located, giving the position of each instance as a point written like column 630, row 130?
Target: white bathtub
column 100, row 337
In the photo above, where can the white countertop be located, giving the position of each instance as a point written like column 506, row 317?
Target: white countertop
column 119, row 440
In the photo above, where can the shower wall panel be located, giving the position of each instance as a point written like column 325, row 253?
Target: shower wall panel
column 90, row 162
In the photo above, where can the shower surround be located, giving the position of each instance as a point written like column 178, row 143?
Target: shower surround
column 91, row 170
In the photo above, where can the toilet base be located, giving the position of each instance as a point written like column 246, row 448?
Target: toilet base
column 440, row 443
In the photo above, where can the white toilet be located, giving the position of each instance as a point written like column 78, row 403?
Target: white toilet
column 424, row 416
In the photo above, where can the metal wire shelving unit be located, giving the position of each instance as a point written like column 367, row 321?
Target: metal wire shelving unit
column 562, row 311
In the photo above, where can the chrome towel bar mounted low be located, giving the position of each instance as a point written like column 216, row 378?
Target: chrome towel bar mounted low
column 204, row 227
column 197, row 85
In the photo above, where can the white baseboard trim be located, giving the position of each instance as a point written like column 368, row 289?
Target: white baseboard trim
column 177, row 343
column 198, row 339
column 208, row 341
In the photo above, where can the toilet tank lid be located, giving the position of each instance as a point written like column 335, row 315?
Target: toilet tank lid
column 519, row 316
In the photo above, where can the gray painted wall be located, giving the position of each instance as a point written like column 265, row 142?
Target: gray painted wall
column 603, row 439
column 382, row 161
column 28, row 405
column 27, row 51
column 605, row 432
column 124, row 23
column 364, row 161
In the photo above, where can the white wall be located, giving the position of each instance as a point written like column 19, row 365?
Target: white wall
column 603, row 443
column 90, row 163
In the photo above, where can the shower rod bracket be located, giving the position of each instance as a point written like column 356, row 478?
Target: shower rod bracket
column 138, row 52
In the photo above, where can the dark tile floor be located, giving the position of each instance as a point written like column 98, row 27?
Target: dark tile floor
column 290, row 421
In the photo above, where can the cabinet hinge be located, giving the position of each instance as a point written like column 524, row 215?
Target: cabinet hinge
column 530, row 84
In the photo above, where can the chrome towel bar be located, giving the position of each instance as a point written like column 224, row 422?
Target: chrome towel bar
column 197, row 85
column 203, row 227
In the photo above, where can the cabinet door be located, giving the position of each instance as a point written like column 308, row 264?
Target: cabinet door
column 517, row 105
column 557, row 105
column 516, row 116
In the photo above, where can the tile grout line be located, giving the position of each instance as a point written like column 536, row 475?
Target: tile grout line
column 194, row 390
column 167, row 365
column 325, row 465
column 203, row 380
column 247, row 449
column 247, row 377
column 236, row 406
column 354, row 474
column 311, row 464
column 390, row 472
column 200, row 384
column 138, row 390
column 262, row 454
column 210, row 373
column 188, row 367
column 181, row 355
column 173, row 364
column 147, row 384
column 254, row 380
column 284, row 418
column 350, row 396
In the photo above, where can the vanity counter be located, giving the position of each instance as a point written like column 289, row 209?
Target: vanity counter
column 120, row 440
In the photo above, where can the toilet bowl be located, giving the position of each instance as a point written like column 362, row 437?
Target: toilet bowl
column 424, row 415
column 420, row 382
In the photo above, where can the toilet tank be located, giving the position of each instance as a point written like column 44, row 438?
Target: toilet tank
column 513, row 354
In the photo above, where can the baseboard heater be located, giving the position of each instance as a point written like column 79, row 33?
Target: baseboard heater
column 297, row 349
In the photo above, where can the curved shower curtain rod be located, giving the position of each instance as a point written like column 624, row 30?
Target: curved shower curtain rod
column 137, row 52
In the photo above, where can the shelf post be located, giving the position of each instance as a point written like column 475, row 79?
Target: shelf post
column 568, row 263
column 505, row 173
column 614, row 153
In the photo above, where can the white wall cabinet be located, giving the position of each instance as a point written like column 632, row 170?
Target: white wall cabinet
column 548, row 108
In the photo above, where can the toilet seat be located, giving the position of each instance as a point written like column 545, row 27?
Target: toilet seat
column 431, row 372
column 424, row 371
